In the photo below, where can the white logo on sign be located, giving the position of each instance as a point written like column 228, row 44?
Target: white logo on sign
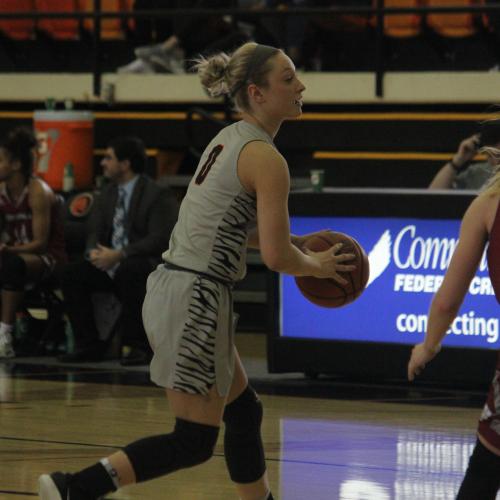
column 380, row 256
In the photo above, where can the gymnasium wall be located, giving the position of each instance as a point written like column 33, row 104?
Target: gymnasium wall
column 399, row 140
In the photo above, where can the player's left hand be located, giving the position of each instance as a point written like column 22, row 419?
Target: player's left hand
column 104, row 258
column 420, row 356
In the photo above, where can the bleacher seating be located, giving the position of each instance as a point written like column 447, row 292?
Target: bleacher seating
column 403, row 25
column 345, row 42
column 59, row 29
column 111, row 29
column 17, row 29
column 455, row 25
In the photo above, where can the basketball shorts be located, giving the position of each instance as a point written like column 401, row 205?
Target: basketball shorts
column 189, row 322
column 489, row 422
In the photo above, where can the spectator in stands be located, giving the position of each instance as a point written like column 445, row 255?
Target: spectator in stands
column 131, row 225
column 31, row 236
column 195, row 35
column 149, row 30
column 290, row 31
column 460, row 172
column 189, row 37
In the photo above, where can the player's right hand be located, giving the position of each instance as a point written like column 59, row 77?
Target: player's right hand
column 420, row 356
column 331, row 262
column 466, row 150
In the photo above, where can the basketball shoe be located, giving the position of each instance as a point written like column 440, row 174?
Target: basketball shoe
column 56, row 486
column 6, row 349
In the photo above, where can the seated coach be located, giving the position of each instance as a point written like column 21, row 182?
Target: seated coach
column 130, row 227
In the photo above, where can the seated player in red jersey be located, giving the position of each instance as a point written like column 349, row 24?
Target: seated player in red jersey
column 31, row 236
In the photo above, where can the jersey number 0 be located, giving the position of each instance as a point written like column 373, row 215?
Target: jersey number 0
column 212, row 156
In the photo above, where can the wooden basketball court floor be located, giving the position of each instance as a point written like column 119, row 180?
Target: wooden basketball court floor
column 324, row 440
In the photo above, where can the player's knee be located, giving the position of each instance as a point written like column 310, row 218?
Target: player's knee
column 244, row 414
column 482, row 478
column 484, row 462
column 13, row 272
column 198, row 441
column 188, row 445
column 242, row 440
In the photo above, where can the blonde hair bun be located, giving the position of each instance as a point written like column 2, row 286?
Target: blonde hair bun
column 212, row 73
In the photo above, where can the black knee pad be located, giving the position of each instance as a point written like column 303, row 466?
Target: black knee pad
column 243, row 447
column 190, row 444
column 13, row 272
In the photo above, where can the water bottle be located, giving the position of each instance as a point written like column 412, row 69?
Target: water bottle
column 21, row 329
column 50, row 104
column 68, row 178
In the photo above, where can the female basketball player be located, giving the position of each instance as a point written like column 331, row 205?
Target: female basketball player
column 31, row 244
column 481, row 223
column 188, row 315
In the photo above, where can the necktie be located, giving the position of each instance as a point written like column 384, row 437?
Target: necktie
column 119, row 238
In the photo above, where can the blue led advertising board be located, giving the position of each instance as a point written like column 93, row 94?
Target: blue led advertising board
column 408, row 259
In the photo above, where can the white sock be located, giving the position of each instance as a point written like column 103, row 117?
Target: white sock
column 111, row 471
column 6, row 333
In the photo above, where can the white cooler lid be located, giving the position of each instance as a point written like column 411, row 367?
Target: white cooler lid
column 62, row 116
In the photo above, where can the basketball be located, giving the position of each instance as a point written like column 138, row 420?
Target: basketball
column 326, row 292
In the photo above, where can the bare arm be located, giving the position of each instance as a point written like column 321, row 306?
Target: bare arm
column 296, row 240
column 449, row 297
column 253, row 238
column 40, row 199
column 264, row 171
column 444, row 178
column 465, row 153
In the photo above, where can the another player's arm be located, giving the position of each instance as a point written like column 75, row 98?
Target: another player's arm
column 264, row 172
column 449, row 297
column 449, row 171
column 40, row 200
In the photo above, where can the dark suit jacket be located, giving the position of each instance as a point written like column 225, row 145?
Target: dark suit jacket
column 151, row 217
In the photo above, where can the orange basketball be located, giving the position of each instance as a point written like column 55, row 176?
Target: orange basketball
column 327, row 292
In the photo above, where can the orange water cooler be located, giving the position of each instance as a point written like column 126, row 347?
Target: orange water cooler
column 64, row 137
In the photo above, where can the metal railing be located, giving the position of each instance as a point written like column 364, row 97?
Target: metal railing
column 379, row 11
column 196, row 111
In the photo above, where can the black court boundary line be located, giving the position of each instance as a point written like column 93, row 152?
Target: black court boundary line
column 31, row 494
column 51, row 441
column 20, row 493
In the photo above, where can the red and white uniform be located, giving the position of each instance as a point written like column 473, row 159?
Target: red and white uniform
column 489, row 422
column 17, row 226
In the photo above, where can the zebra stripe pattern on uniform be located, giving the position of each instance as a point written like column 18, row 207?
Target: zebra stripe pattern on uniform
column 231, row 237
column 195, row 367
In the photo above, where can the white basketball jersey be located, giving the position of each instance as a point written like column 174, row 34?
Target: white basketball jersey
column 215, row 215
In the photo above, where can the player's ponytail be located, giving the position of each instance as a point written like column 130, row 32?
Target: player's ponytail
column 212, row 73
